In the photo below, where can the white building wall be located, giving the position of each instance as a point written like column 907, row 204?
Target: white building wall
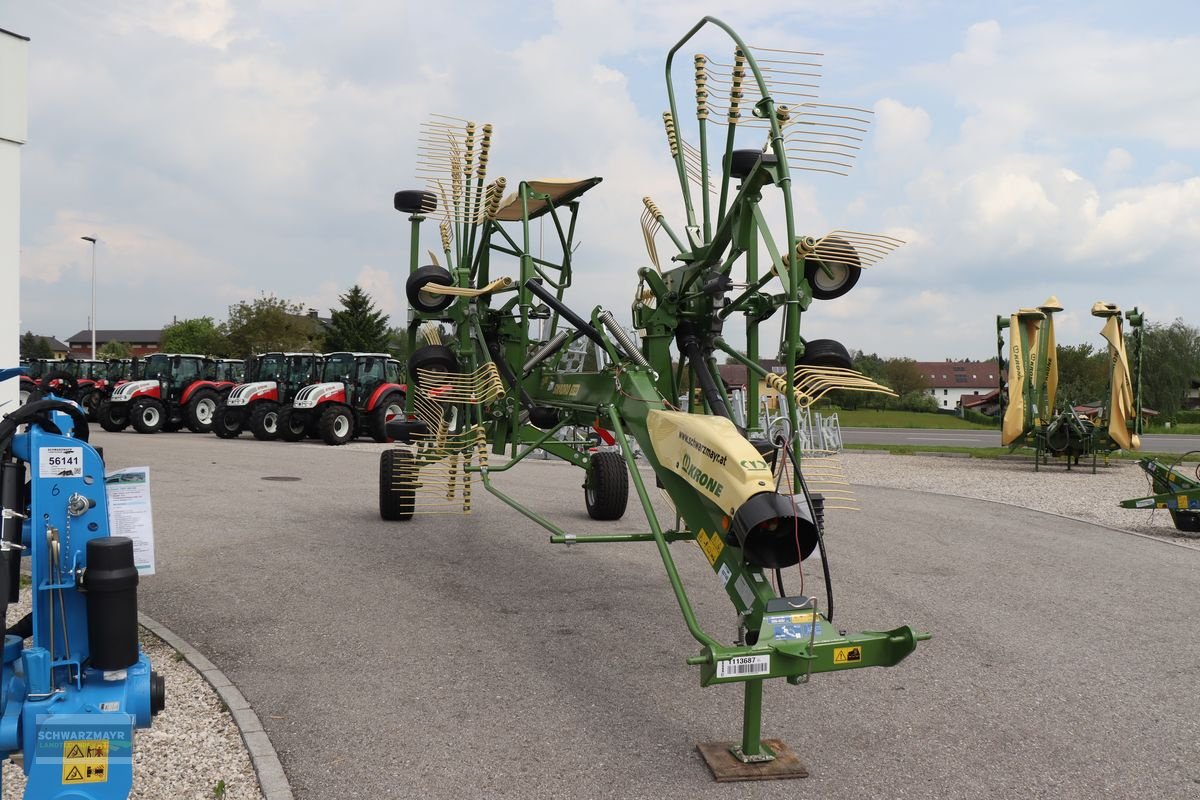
column 14, row 70
column 948, row 397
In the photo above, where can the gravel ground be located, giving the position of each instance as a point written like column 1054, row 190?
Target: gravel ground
column 192, row 747
column 1077, row 493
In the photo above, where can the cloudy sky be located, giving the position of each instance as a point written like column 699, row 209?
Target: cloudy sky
column 225, row 148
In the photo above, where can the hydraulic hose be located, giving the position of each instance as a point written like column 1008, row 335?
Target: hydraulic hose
column 689, row 345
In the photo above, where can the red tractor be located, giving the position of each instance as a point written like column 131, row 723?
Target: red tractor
column 273, row 379
column 358, row 394
column 174, row 390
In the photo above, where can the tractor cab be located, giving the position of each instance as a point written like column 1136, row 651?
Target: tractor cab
column 228, row 370
column 175, row 373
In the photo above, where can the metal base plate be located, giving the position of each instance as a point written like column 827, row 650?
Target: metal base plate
column 725, row 767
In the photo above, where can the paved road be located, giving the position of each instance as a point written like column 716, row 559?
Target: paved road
column 934, row 437
column 468, row 658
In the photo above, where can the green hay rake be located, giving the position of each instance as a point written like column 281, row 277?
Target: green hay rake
column 1029, row 388
column 1174, row 491
column 500, row 364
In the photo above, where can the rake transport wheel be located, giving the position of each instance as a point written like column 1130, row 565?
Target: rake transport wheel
column 336, row 425
column 227, row 422
column 825, row 353
column 845, row 273
column 397, row 490
column 291, row 425
column 606, row 491
column 431, row 358
column 264, row 421
column 148, row 416
column 427, row 302
column 113, row 418
column 389, row 407
column 201, row 410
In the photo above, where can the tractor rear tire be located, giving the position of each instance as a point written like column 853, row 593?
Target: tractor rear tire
column 201, row 411
column 148, row 416
column 825, row 353
column 29, row 393
column 390, row 406
column 291, row 425
column 90, row 399
column 227, row 422
column 606, row 492
column 113, row 418
column 337, row 425
column 397, row 487
column 264, row 420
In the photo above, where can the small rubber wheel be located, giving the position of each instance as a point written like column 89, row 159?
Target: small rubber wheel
column 113, row 417
column 291, row 425
column 825, row 353
column 147, row 416
column 227, row 422
column 606, row 491
column 415, row 201
column 397, row 485
column 201, row 410
column 428, row 302
column 846, row 271
column 337, row 425
column 389, row 407
column 1188, row 521
column 264, row 420
column 431, row 358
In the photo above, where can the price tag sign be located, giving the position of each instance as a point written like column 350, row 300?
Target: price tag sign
column 60, row 462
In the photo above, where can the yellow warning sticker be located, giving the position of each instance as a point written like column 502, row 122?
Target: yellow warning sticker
column 85, row 761
column 711, row 544
column 847, row 655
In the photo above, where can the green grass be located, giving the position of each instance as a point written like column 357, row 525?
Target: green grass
column 873, row 418
column 1184, row 428
column 997, row 452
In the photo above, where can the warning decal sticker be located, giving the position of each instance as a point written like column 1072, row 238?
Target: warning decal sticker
column 711, row 544
column 847, row 655
column 85, row 761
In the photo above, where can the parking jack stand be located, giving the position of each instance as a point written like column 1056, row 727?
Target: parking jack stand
column 755, row 759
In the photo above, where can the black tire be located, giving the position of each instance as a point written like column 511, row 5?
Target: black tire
column 90, row 399
column 606, row 492
column 292, row 425
column 846, row 271
column 28, row 394
column 147, row 416
column 397, row 489
column 393, row 405
column 227, row 422
column 201, row 410
column 741, row 162
column 113, row 418
column 415, row 201
column 264, row 420
column 426, row 302
column 825, row 353
column 1187, row 521
column 431, row 358
column 336, row 425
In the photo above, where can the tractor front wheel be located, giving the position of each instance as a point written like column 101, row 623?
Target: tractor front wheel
column 336, row 425
column 291, row 424
column 389, row 407
column 227, row 422
column 114, row 417
column 148, row 416
column 264, row 420
column 606, row 491
column 90, row 400
column 397, row 485
column 201, row 410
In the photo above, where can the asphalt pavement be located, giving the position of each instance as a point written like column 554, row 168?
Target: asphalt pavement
column 466, row 657
column 941, row 437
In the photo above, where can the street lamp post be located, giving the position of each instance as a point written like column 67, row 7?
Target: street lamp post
column 92, row 239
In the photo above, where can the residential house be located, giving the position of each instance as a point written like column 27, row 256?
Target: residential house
column 143, row 342
column 952, row 381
